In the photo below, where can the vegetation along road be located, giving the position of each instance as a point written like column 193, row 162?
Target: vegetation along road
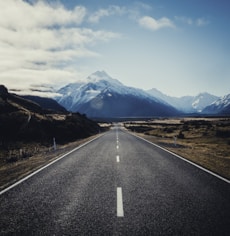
column 117, row 184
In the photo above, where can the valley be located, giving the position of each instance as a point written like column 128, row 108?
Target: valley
column 35, row 130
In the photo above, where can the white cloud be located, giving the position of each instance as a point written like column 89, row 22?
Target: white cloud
column 39, row 41
column 153, row 24
column 17, row 14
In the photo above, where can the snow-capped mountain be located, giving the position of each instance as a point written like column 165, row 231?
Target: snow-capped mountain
column 220, row 106
column 102, row 96
column 202, row 100
column 187, row 104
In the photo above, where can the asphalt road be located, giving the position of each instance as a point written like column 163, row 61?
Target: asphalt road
column 117, row 185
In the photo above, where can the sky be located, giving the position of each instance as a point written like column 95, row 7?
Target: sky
column 180, row 47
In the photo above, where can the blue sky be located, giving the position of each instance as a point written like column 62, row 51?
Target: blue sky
column 180, row 47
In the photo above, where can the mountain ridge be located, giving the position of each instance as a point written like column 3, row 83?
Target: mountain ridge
column 73, row 96
column 102, row 96
column 220, row 106
column 81, row 96
column 187, row 104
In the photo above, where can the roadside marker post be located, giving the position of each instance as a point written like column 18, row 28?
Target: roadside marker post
column 55, row 146
column 175, row 138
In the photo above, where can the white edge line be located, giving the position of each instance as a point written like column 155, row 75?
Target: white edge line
column 182, row 158
column 120, row 210
column 44, row 167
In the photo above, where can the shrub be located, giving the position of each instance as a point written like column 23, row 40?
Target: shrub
column 181, row 135
column 223, row 133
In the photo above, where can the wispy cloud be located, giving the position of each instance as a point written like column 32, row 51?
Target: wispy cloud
column 202, row 22
column 105, row 12
column 185, row 20
column 189, row 21
column 154, row 24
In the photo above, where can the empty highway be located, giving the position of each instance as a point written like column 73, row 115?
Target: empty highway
column 117, row 184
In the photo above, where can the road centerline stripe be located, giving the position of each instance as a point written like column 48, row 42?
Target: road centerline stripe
column 120, row 210
column 118, row 158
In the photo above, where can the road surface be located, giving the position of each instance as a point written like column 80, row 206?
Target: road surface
column 117, row 184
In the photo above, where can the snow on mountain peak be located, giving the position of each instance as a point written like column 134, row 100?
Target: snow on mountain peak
column 223, row 101
column 98, row 83
column 102, row 76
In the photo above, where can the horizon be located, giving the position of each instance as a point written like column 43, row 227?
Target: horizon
column 46, row 90
column 181, row 49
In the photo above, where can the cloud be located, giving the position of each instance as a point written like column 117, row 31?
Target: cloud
column 144, row 6
column 17, row 14
column 153, row 24
column 201, row 22
column 39, row 41
column 111, row 10
column 189, row 21
column 185, row 20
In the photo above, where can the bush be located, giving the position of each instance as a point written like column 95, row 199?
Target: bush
column 223, row 133
column 181, row 135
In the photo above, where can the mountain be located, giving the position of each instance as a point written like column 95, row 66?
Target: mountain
column 187, row 104
column 221, row 106
column 102, row 96
column 24, row 121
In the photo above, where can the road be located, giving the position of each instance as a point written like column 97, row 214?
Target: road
column 117, row 184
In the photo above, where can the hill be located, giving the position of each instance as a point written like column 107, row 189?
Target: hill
column 24, row 121
column 46, row 103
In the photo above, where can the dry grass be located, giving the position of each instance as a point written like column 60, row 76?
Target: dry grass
column 204, row 141
column 11, row 172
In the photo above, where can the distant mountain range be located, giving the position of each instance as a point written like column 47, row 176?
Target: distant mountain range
column 187, row 104
column 105, row 97
column 220, row 106
column 102, row 96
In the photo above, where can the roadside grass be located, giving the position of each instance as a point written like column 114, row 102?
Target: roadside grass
column 205, row 141
column 12, row 170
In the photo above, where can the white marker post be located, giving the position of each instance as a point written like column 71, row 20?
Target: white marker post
column 175, row 138
column 55, row 146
